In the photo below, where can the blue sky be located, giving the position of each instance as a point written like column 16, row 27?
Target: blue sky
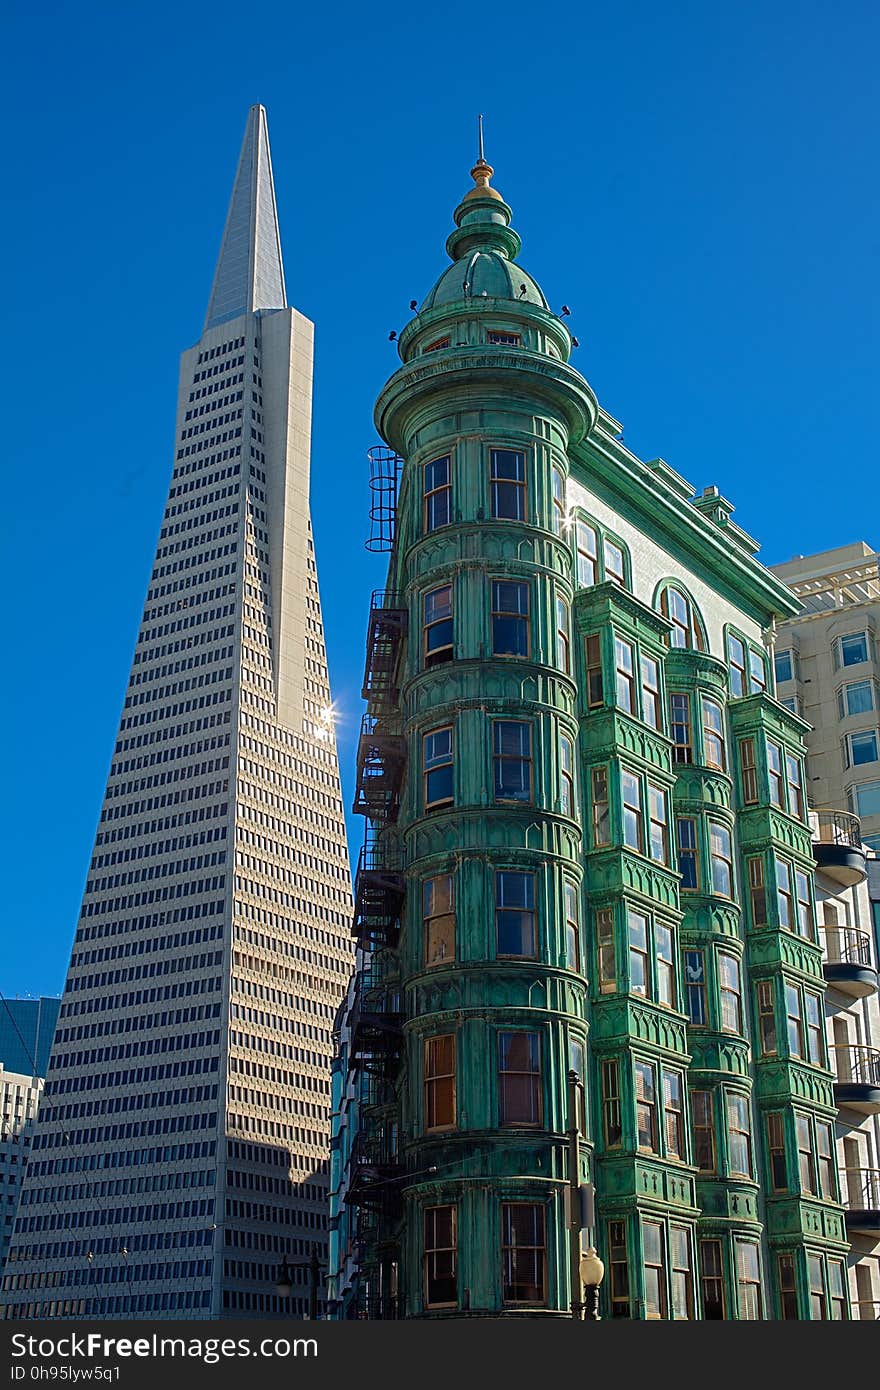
column 697, row 181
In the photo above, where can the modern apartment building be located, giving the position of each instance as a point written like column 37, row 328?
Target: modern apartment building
column 590, row 1003
column 828, row 670
column 181, row 1150
column 27, row 1027
column 19, row 1101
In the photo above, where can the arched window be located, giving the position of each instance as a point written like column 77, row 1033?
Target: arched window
column 687, row 625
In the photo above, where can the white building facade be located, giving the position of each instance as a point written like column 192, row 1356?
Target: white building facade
column 183, row 1144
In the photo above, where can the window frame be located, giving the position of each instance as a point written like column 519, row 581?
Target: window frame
column 514, row 1246
column 523, row 620
column 428, row 918
column 427, row 770
column 434, row 1250
column 528, row 876
column 432, row 656
column 430, row 493
column 500, row 759
column 532, row 1075
column 431, row 1080
column 499, row 486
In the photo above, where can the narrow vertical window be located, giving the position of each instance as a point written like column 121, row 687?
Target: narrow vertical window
column 566, row 775
column 523, row 1253
column 440, row 1257
column 713, row 735
column 748, row 771
column 837, row 1293
column 558, row 501
column 722, row 862
column 805, row 920
column 438, row 625
column 646, row 1107
column 664, row 965
column 784, row 894
column 739, row 1134
column 438, row 919
column 512, row 757
column 731, row 1001
column 572, row 928
column 655, row 1270
column 712, row 1279
column 437, row 494
column 673, row 1114
column 632, row 810
column 680, row 728
column 605, row 950
column 817, row 1288
column 638, row 953
column 794, row 1021
column 766, row 1017
column 614, row 562
column 806, row 1161
column 587, row 555
column 507, row 484
column 757, row 671
column 681, row 1276
column 688, row 855
column 651, row 691
column 577, row 1061
column 776, row 1151
column 600, row 807
column 515, row 913
column 704, row 1130
column 825, row 1161
column 736, row 654
column 595, row 685
column 695, row 982
column 748, row 1277
column 439, row 1056
column 612, row 1128
column 563, row 642
column 757, row 891
column 510, row 618
column 519, row 1078
column 815, row 1028
column 774, row 774
column 625, row 685
column 794, row 779
column 618, row 1269
column 658, row 815
column 788, row 1299
column 437, row 763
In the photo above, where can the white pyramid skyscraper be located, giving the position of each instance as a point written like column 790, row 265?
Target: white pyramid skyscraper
column 182, row 1150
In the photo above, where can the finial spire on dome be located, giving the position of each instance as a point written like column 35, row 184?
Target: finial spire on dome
column 482, row 172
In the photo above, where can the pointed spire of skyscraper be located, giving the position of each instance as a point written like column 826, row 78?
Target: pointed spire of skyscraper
column 249, row 272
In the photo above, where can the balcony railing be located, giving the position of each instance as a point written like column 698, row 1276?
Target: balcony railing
column 847, row 946
column 856, row 1064
column 837, row 828
column 860, row 1192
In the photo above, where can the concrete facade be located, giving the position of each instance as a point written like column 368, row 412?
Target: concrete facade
column 182, row 1146
column 828, row 670
column 19, row 1102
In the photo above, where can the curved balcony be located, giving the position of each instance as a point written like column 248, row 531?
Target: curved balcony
column 837, row 846
column 848, row 963
column 857, row 1071
column 860, row 1193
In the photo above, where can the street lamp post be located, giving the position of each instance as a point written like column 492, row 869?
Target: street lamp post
column 284, row 1285
column 592, row 1272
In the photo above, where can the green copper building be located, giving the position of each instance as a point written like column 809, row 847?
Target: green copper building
column 589, row 1006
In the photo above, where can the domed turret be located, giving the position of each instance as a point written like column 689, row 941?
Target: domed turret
column 483, row 248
